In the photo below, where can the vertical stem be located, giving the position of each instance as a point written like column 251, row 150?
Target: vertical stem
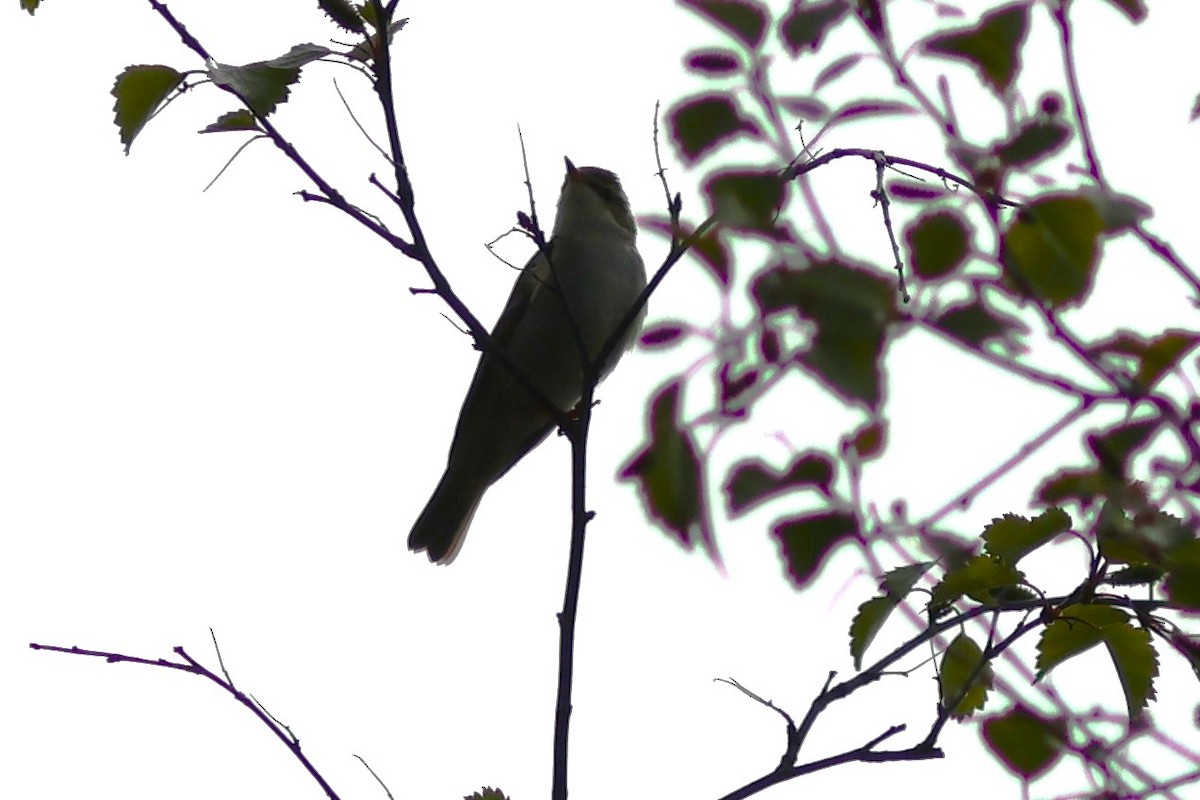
column 578, row 434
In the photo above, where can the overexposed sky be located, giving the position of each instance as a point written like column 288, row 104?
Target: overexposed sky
column 225, row 409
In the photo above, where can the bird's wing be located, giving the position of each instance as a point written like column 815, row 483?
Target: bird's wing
column 529, row 284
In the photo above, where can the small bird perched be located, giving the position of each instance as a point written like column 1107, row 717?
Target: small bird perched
column 575, row 291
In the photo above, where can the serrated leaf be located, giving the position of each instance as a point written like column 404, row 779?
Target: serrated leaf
column 1077, row 629
column 804, row 26
column 1035, row 141
column 806, row 541
column 710, row 250
column 1025, row 742
column 700, row 124
column 1012, row 537
column 897, row 583
column 1050, row 252
column 939, row 242
column 975, row 324
column 965, row 678
column 867, row 622
column 993, row 46
column 667, row 472
column 745, row 20
column 262, row 86
column 1137, row 575
column 1084, row 486
column 713, row 62
column 835, row 70
column 982, row 578
column 851, row 309
column 299, row 55
column 241, row 120
column 1136, row 661
column 343, row 14
column 753, row 481
column 139, row 91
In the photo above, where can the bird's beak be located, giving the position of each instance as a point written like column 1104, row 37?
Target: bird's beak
column 570, row 166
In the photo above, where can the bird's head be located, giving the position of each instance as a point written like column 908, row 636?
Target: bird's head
column 592, row 200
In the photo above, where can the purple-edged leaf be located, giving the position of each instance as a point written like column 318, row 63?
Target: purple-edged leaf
column 1026, row 742
column 872, row 108
column 710, row 249
column 753, row 482
column 806, row 541
column 916, row 192
column 851, row 309
column 1035, row 141
column 343, row 14
column 700, row 124
column 835, row 70
column 713, row 62
column 805, row 25
column 667, row 473
column 745, row 20
column 747, row 200
column 976, row 324
column 993, row 46
column 1050, row 252
column 663, row 335
column 809, row 108
column 1134, row 9
column 939, row 242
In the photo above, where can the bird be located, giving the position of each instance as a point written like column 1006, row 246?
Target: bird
column 575, row 291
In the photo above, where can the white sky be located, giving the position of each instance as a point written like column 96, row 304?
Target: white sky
column 226, row 409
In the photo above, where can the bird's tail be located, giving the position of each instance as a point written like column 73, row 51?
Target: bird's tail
column 442, row 526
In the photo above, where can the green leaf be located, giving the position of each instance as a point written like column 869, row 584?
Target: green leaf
column 1183, row 580
column 992, row 47
column 1050, row 252
column 1012, row 537
column 667, row 472
column 938, row 242
column 240, row 120
column 300, row 55
column 262, row 86
column 976, row 324
column 851, row 308
column 139, row 91
column 1162, row 355
column 1137, row 575
column 1114, row 447
column 343, row 14
column 713, row 62
column 872, row 614
column 982, row 578
column 30, row 5
column 701, row 124
column 804, row 26
column 1120, row 212
column 747, row 200
column 1134, row 9
column 1035, row 141
column 745, row 20
column 710, row 250
column 868, row 441
column 753, row 481
column 1027, row 743
column 1077, row 629
column 965, row 678
column 806, row 541
column 1136, row 661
